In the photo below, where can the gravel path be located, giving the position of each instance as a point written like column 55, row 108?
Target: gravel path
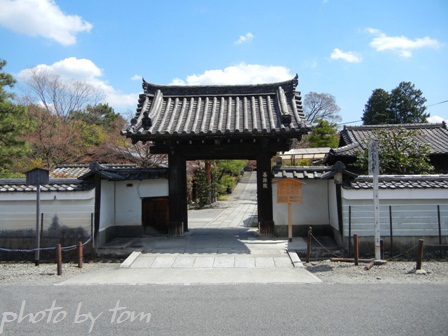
column 397, row 272
column 44, row 274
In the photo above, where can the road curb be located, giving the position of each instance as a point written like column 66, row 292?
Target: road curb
column 295, row 260
column 129, row 260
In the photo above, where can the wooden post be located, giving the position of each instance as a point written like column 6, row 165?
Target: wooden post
column 419, row 255
column 37, row 253
column 264, row 194
column 177, row 189
column 92, row 235
column 440, row 231
column 369, row 265
column 290, row 222
column 41, row 227
column 382, row 249
column 59, row 258
column 349, row 229
column 80, row 254
column 308, row 245
column 356, row 247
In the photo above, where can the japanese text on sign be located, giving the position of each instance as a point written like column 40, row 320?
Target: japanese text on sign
column 289, row 191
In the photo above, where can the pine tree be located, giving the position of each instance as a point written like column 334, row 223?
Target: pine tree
column 376, row 110
column 407, row 104
column 13, row 123
column 324, row 134
column 403, row 105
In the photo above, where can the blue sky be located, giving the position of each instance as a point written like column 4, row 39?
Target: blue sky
column 345, row 48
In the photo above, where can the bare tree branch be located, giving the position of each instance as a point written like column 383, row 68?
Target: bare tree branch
column 321, row 106
column 58, row 96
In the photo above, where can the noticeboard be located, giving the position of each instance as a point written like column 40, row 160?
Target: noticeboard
column 37, row 176
column 289, row 191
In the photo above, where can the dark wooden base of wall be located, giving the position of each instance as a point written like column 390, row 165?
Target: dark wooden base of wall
column 302, row 230
column 118, row 231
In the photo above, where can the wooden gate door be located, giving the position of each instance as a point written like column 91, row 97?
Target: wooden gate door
column 155, row 214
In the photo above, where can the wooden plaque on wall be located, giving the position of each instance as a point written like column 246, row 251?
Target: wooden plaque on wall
column 289, row 191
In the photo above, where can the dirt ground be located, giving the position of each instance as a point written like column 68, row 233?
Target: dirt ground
column 397, row 272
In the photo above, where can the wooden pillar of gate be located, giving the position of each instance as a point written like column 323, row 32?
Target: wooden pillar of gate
column 177, row 188
column 264, row 194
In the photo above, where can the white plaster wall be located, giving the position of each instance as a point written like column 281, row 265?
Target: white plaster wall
column 128, row 199
column 107, row 215
column 313, row 210
column 73, row 209
column 333, row 204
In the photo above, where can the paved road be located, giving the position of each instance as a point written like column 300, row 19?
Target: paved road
column 274, row 309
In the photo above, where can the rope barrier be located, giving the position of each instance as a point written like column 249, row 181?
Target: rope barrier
column 332, row 253
column 66, row 248
column 398, row 255
column 390, row 258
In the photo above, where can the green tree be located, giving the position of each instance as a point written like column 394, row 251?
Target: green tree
column 101, row 115
column 202, row 188
column 324, row 134
column 14, row 122
column 5, row 80
column 405, row 104
column 376, row 110
column 399, row 153
column 224, row 174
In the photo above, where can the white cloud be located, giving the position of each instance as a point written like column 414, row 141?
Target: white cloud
column 136, row 78
column 437, row 119
column 245, row 38
column 238, row 74
column 401, row 45
column 348, row 56
column 85, row 70
column 42, row 18
column 73, row 68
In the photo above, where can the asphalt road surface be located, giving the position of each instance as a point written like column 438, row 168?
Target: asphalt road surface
column 271, row 309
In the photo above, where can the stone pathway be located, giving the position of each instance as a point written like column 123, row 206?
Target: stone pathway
column 239, row 210
column 223, row 236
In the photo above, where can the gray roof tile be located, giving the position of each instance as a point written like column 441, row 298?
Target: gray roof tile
column 401, row 182
column 217, row 110
column 302, row 172
column 55, row 185
column 77, row 170
column 355, row 138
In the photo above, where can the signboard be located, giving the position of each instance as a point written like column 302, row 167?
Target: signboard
column 289, row 191
column 37, row 176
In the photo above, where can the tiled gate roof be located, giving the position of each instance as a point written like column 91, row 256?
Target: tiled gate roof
column 195, row 111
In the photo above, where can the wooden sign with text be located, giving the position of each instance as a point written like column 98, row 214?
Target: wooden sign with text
column 289, row 191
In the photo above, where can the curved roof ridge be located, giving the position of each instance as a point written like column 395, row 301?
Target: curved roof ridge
column 268, row 88
column 405, row 177
column 346, row 147
column 412, row 125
